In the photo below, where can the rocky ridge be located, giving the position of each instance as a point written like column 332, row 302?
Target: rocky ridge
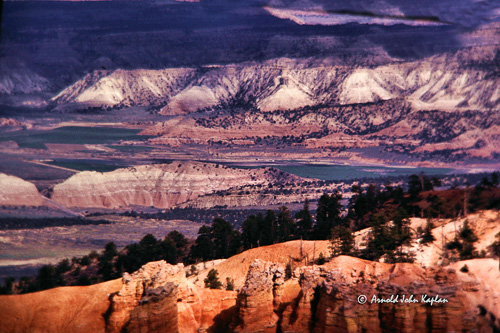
column 274, row 298
column 158, row 185
column 443, row 82
column 18, row 192
column 159, row 298
column 326, row 298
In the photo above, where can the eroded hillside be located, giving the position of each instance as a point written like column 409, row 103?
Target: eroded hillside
column 158, row 185
column 158, row 297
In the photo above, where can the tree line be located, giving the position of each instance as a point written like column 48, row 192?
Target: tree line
column 372, row 206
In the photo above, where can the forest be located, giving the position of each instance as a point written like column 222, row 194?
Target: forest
column 385, row 209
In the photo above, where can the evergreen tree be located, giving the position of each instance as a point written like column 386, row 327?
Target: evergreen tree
column 212, row 280
column 305, row 221
column 401, row 235
column 495, row 248
column 417, row 184
column 106, row 267
column 341, row 241
column 222, row 233
column 327, row 215
column 179, row 239
column 268, row 228
column 168, row 250
column 427, row 236
column 285, row 224
column 463, row 243
column 468, row 238
column 251, row 232
column 203, row 249
column 229, row 283
column 46, row 278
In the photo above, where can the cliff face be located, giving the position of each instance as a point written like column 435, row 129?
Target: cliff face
column 65, row 309
column 147, row 299
column 159, row 185
column 442, row 82
column 158, row 298
column 273, row 298
column 125, row 88
column 18, row 192
column 259, row 296
column 327, row 299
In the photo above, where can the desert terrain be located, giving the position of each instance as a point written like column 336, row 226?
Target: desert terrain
column 249, row 166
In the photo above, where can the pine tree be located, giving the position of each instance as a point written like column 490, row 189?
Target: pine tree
column 212, row 280
column 286, row 226
column 427, row 236
column 305, row 221
column 250, row 233
column 341, row 241
column 327, row 215
column 229, row 283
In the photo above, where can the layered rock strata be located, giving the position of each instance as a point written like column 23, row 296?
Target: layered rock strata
column 158, row 298
column 158, row 185
column 273, row 298
column 17, row 192
column 327, row 299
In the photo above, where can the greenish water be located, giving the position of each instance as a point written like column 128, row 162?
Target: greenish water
column 347, row 172
column 87, row 165
column 71, row 135
column 132, row 149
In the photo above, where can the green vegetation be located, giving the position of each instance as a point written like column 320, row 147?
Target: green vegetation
column 229, row 283
column 385, row 209
column 212, row 280
column 427, row 236
column 463, row 244
column 99, row 267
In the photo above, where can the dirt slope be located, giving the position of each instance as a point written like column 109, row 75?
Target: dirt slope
column 65, row 309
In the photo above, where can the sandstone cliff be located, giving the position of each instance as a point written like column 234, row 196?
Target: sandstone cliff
column 159, row 185
column 158, row 298
column 273, row 298
column 64, row 309
column 325, row 298
column 17, row 192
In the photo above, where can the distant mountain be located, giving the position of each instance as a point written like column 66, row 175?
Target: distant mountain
column 465, row 80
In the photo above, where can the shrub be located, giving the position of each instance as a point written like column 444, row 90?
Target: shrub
column 229, row 283
column 212, row 280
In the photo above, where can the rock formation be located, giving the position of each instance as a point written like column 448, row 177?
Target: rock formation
column 159, row 185
column 327, row 299
column 158, row 298
column 64, row 309
column 17, row 192
column 259, row 297
column 273, row 298
column 125, row 88
column 286, row 84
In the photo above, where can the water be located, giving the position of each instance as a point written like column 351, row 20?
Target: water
column 337, row 172
column 351, row 172
column 71, row 135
